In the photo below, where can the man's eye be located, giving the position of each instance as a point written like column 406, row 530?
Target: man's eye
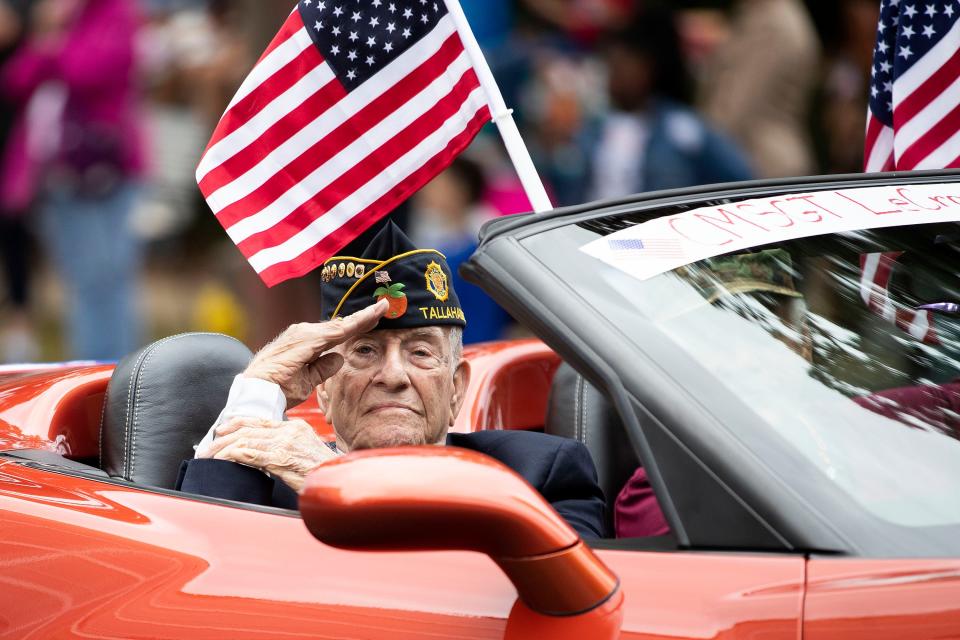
column 363, row 349
column 421, row 353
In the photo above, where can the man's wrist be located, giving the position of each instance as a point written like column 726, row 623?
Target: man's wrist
column 258, row 373
column 255, row 397
column 249, row 397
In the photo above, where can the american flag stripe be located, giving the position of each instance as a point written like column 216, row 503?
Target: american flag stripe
column 364, row 167
column 936, row 58
column 929, row 120
column 271, row 113
column 257, row 84
column 359, row 223
column 249, row 133
column 293, row 77
column 311, row 112
column 308, row 155
column 276, row 136
column 341, row 151
column 334, row 130
column 374, row 189
column 914, row 119
column 879, row 146
column 925, row 96
column 937, row 147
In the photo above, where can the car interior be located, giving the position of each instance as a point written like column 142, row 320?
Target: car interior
column 137, row 424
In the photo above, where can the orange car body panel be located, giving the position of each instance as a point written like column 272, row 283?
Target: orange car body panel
column 107, row 560
column 856, row 599
column 58, row 409
column 83, row 557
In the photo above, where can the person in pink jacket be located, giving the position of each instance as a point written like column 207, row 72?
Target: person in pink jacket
column 77, row 152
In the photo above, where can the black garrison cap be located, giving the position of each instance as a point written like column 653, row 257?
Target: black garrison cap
column 416, row 283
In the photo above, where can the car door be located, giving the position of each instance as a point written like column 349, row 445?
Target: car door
column 108, row 560
column 689, row 594
column 100, row 559
column 711, row 494
column 882, row 599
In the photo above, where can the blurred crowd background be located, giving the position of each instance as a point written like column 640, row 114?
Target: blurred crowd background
column 107, row 105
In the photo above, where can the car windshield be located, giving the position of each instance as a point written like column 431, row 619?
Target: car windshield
column 847, row 344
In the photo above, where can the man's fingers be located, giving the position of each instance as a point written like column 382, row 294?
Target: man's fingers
column 257, row 436
column 368, row 318
column 243, row 455
column 364, row 320
column 302, row 343
column 327, row 366
column 239, row 422
column 339, row 330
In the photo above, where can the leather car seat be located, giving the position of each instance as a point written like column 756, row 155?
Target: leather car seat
column 161, row 401
column 576, row 409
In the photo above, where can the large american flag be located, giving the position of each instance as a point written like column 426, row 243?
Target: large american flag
column 355, row 105
column 914, row 115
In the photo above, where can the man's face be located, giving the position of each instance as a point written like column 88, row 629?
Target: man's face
column 397, row 387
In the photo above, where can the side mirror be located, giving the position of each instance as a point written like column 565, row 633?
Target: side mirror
column 444, row 498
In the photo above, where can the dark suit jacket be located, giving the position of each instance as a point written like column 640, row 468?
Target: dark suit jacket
column 559, row 468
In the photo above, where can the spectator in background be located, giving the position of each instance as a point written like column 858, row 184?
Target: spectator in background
column 846, row 89
column 17, row 343
column 758, row 87
column 584, row 21
column 561, row 98
column 215, row 77
column 490, row 20
column 650, row 140
column 447, row 214
column 81, row 154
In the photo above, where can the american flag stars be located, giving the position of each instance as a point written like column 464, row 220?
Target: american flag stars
column 912, row 98
column 373, row 23
column 905, row 32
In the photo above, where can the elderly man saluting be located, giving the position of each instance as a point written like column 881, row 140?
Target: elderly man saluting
column 387, row 374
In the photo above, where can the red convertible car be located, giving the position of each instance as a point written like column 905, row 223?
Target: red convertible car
column 780, row 358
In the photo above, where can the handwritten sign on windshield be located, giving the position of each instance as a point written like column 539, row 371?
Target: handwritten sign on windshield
column 651, row 248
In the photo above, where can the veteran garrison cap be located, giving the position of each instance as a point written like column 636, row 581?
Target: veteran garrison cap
column 416, row 283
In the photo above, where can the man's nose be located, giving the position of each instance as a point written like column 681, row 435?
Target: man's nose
column 392, row 373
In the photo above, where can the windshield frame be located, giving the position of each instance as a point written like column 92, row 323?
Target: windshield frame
column 671, row 396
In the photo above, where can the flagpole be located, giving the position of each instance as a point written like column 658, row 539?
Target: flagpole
column 503, row 117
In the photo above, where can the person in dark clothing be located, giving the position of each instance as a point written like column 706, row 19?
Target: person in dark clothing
column 387, row 374
column 15, row 238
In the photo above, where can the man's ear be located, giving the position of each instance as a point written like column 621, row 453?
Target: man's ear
column 461, row 380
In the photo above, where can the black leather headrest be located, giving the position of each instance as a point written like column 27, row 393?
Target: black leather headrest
column 162, row 400
column 576, row 409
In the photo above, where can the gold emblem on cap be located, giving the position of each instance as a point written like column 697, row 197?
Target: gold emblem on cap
column 342, row 269
column 350, row 268
column 437, row 281
column 359, row 271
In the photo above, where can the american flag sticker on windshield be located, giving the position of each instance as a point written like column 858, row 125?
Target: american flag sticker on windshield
column 665, row 249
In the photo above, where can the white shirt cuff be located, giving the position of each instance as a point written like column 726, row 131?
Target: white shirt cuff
column 252, row 398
